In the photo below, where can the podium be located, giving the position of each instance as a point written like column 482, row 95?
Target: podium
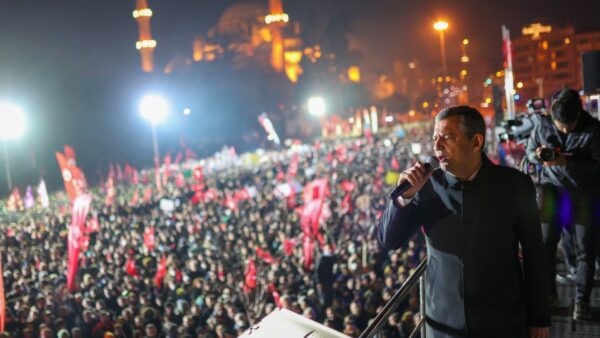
column 287, row 324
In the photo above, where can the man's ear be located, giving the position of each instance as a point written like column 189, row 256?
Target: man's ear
column 478, row 141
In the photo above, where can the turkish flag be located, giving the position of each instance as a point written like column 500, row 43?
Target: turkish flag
column 250, row 276
column 149, row 238
column 130, row 267
column 75, row 183
column 275, row 294
column 67, row 175
column 179, row 180
column 231, row 203
column 348, row 186
column 241, row 195
column 346, row 204
column 161, row 272
column 70, row 155
column 76, row 237
column 135, row 198
column 288, row 246
column 308, row 244
column 134, row 177
column 315, row 190
column 110, row 191
column 395, row 164
column 265, row 255
column 293, row 168
column 199, row 174
column 147, row 195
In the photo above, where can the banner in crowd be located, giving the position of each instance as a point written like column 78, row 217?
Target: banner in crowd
column 250, row 276
column 75, row 183
column 29, row 200
column 161, row 272
column 14, row 202
column 76, row 237
column 391, row 178
column 149, row 238
column 70, row 155
column 135, row 198
column 43, row 194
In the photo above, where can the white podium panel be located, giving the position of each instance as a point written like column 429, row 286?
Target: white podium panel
column 283, row 323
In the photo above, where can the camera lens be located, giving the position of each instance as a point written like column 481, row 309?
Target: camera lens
column 547, row 154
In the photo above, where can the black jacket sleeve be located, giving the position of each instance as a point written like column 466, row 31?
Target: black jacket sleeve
column 532, row 144
column 398, row 224
column 537, row 290
column 584, row 167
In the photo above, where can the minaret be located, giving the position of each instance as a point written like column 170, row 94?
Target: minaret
column 145, row 44
column 276, row 19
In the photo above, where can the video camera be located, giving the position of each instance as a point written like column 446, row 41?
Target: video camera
column 520, row 128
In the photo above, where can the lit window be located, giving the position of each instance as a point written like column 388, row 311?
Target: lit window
column 143, row 12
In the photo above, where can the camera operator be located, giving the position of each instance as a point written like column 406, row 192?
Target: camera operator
column 566, row 147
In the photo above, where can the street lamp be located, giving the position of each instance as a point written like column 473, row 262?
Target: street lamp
column 154, row 109
column 441, row 26
column 316, row 106
column 12, row 126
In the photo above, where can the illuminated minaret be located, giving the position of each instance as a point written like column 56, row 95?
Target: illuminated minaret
column 276, row 19
column 145, row 44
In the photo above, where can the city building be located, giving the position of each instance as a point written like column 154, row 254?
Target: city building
column 547, row 58
column 254, row 32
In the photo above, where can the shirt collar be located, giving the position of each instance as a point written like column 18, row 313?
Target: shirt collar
column 454, row 182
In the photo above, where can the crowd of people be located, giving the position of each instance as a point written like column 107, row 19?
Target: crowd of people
column 216, row 268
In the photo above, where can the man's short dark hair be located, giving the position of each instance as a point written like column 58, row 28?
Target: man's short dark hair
column 566, row 106
column 471, row 120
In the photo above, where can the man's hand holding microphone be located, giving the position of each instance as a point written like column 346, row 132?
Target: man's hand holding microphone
column 413, row 179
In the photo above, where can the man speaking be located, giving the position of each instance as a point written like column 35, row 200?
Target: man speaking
column 474, row 215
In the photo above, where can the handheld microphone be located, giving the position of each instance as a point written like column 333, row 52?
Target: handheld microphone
column 430, row 163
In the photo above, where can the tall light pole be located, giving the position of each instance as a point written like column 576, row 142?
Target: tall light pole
column 154, row 109
column 12, row 126
column 441, row 26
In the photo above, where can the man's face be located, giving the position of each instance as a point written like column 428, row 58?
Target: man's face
column 565, row 128
column 452, row 147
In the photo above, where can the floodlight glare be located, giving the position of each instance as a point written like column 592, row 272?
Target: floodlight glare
column 154, row 108
column 316, row 106
column 12, row 121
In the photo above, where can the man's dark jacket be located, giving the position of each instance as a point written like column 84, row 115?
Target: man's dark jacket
column 476, row 285
column 580, row 175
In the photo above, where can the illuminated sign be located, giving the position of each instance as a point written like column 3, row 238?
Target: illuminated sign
column 143, row 12
column 274, row 18
column 535, row 29
column 145, row 44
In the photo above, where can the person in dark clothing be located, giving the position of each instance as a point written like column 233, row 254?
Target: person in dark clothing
column 566, row 147
column 474, row 215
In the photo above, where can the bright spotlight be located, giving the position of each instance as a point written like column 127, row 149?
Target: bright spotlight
column 187, row 111
column 12, row 121
column 316, row 106
column 154, row 108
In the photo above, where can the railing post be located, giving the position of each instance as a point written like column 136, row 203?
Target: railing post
column 392, row 304
column 422, row 302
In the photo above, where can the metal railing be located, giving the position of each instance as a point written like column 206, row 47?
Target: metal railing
column 377, row 324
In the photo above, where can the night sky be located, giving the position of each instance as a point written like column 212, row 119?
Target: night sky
column 73, row 66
